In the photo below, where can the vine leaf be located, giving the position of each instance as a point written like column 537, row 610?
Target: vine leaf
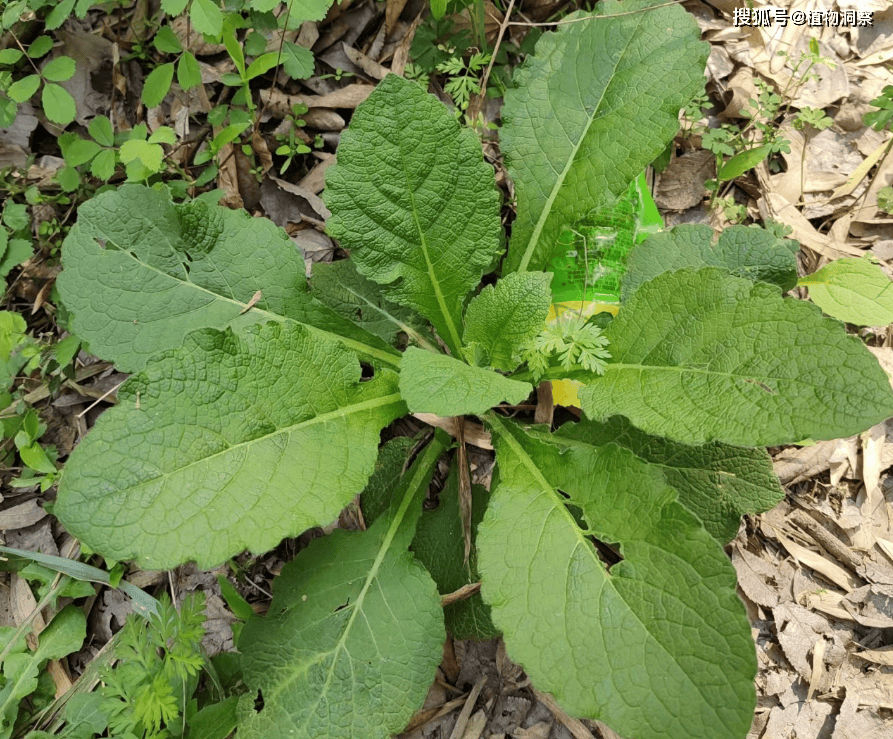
column 699, row 356
column 141, row 272
column 231, row 441
column 658, row 646
column 415, row 203
column 591, row 89
column 355, row 631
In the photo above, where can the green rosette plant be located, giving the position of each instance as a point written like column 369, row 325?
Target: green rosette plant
column 257, row 400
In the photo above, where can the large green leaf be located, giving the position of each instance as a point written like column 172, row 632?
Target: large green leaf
column 414, row 201
column 436, row 383
column 852, row 290
column 717, row 482
column 231, row 441
column 658, row 646
column 339, row 286
column 355, row 631
column 745, row 251
column 599, row 101
column 141, row 273
column 700, row 356
column 504, row 316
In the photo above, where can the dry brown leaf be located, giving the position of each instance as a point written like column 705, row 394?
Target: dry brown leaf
column 827, row 569
column 852, row 723
column 93, row 56
column 260, row 148
column 798, row 631
column 286, row 203
column 753, row 573
column 392, row 12
column 809, row 720
column 539, row 730
column 401, row 54
column 370, row 67
column 315, row 180
column 681, row 185
column 493, row 18
column 871, row 606
column 228, row 178
column 773, row 205
column 323, row 119
column 20, row 516
column 348, row 97
column 192, row 39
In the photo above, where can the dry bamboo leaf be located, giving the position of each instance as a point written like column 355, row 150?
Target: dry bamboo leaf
column 773, row 205
column 844, row 459
column 818, row 667
column 859, row 173
column 871, row 606
column 827, row 569
column 885, row 546
column 828, row 603
column 475, row 434
column 881, row 656
column 574, row 726
column 465, row 713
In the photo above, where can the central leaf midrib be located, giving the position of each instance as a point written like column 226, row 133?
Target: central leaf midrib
column 322, row 418
column 433, row 450
column 351, row 343
column 432, row 277
column 680, row 369
column 559, row 183
column 549, row 489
